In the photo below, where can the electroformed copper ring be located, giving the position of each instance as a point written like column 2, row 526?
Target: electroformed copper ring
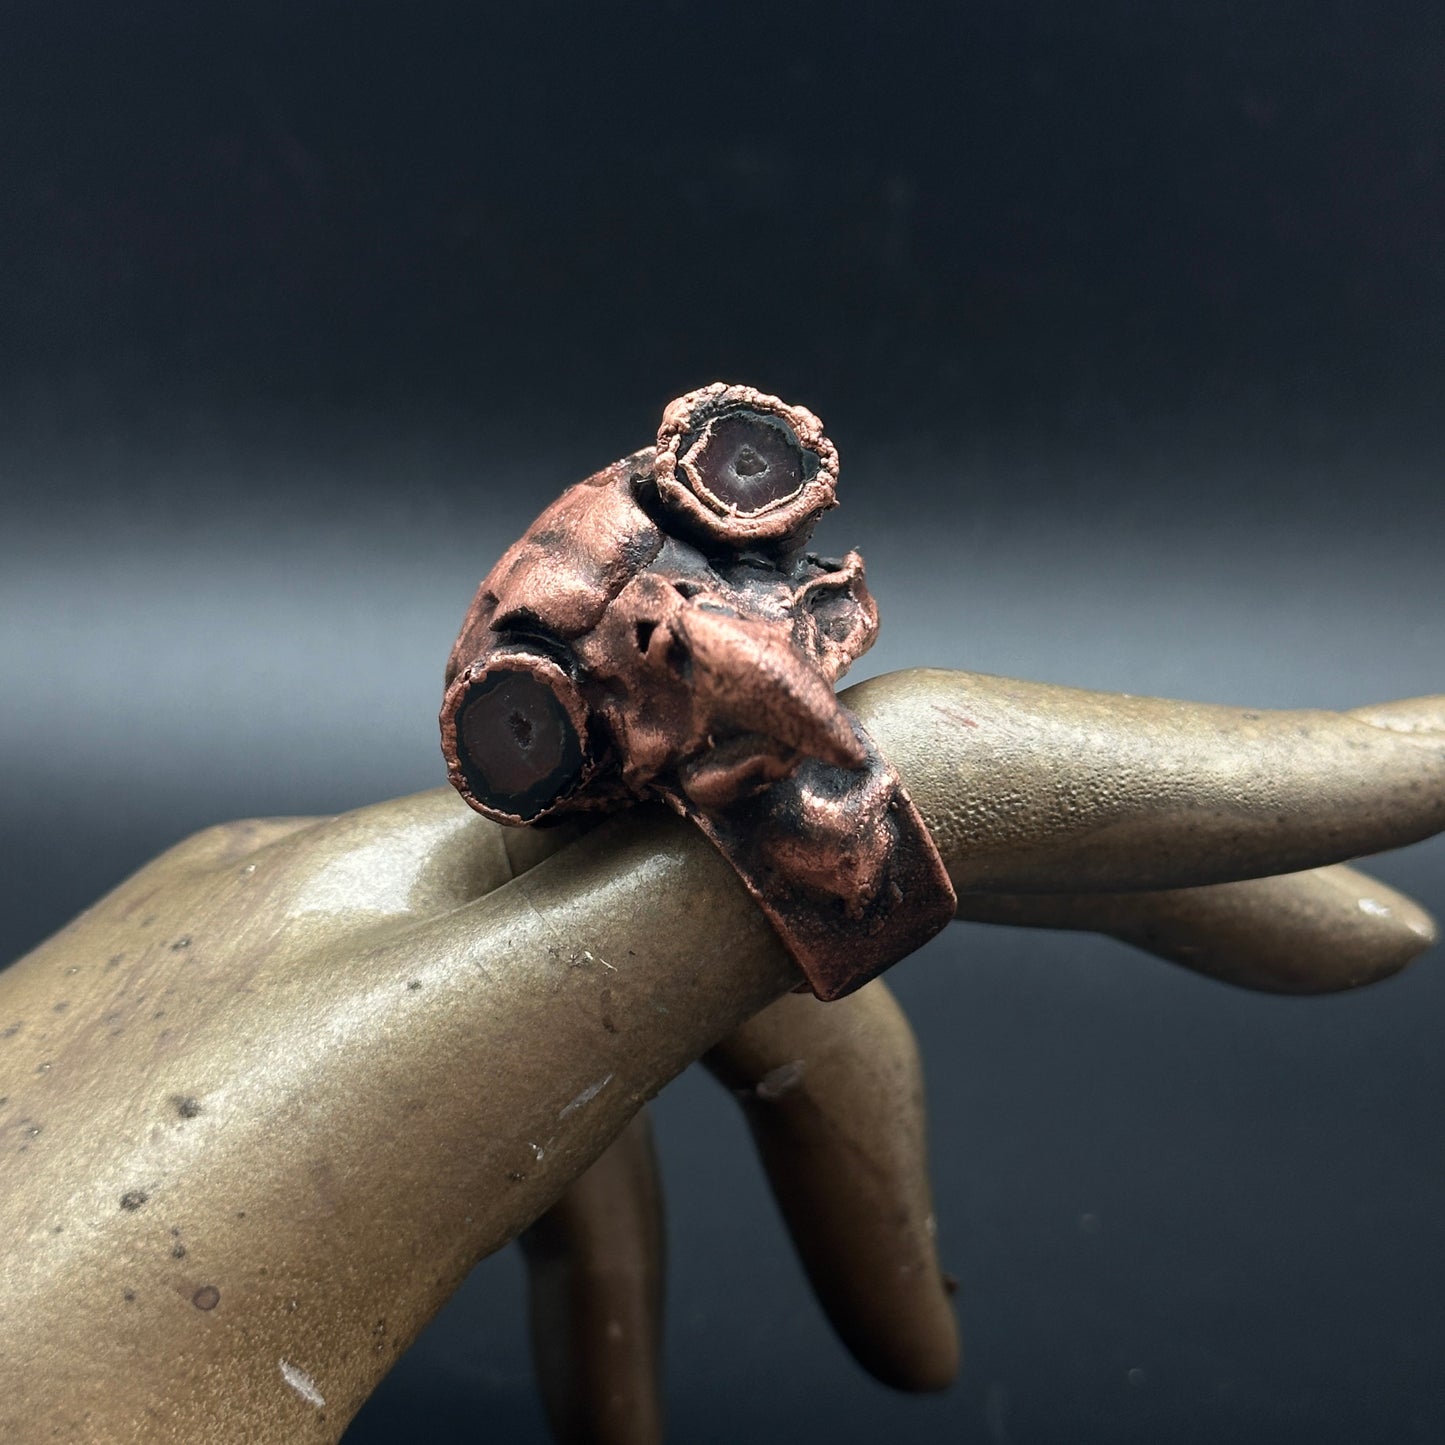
column 661, row 631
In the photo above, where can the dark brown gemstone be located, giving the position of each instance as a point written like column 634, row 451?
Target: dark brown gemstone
column 517, row 745
column 748, row 461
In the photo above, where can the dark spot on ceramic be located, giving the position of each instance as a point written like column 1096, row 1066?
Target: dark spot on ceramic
column 414, row 984
column 133, row 1199
column 187, row 1105
column 184, row 941
column 207, row 1297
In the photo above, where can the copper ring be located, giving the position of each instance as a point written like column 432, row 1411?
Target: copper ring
column 660, row 631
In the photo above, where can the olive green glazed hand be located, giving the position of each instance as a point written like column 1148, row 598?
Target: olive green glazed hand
column 266, row 1103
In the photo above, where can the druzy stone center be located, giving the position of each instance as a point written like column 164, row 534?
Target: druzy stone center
column 748, row 462
column 517, row 743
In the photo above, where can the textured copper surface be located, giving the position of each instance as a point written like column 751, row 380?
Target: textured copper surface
column 661, row 631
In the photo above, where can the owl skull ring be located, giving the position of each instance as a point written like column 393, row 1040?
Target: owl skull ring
column 661, row 631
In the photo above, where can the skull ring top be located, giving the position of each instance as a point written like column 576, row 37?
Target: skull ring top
column 661, row 631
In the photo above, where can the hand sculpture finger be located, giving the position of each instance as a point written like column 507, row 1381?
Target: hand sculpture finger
column 1316, row 932
column 1041, row 789
column 595, row 1262
column 833, row 1094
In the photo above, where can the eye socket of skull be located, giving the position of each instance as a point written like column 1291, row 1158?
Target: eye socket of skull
column 518, row 741
column 747, row 462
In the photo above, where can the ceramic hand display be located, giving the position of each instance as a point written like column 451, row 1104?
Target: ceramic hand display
column 831, row 1096
column 269, row 1101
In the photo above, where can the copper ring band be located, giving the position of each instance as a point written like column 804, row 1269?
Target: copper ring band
column 661, row 631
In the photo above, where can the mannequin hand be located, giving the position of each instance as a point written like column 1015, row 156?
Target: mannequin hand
column 843, row 1142
column 276, row 1094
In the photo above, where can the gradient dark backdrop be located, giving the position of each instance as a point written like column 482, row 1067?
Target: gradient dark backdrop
column 1127, row 320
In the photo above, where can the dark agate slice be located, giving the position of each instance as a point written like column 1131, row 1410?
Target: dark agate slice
column 517, row 745
column 747, row 462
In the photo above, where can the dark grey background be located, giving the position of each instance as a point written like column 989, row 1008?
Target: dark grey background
column 1127, row 320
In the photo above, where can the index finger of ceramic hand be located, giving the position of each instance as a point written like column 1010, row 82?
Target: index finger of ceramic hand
column 1030, row 788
